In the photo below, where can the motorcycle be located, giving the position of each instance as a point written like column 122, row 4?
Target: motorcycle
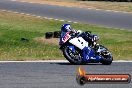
column 78, row 51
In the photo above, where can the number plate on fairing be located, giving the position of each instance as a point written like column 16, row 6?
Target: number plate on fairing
column 66, row 37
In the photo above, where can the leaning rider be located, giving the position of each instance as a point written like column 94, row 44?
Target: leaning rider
column 89, row 37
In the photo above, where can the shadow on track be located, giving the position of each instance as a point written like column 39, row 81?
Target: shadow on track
column 67, row 63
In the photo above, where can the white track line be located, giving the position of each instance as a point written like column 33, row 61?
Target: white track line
column 69, row 21
column 122, row 61
column 28, row 14
column 75, row 22
column 35, row 61
column 61, row 20
column 50, row 18
column 56, row 19
column 51, row 61
column 38, row 16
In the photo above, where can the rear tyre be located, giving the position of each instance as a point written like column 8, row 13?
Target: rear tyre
column 72, row 57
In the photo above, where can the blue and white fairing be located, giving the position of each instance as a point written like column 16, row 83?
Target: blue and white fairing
column 87, row 52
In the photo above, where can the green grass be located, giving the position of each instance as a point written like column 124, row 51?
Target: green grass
column 13, row 27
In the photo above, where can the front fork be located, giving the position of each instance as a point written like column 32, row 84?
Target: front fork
column 89, row 55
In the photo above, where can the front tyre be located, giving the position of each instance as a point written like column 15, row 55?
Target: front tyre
column 106, row 56
column 72, row 57
column 107, row 59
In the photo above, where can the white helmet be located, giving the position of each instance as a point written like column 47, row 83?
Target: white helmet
column 79, row 32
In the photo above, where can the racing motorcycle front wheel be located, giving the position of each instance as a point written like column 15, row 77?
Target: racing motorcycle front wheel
column 107, row 57
column 73, row 57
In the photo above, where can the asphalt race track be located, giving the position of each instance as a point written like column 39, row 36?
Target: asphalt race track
column 104, row 18
column 56, row 74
